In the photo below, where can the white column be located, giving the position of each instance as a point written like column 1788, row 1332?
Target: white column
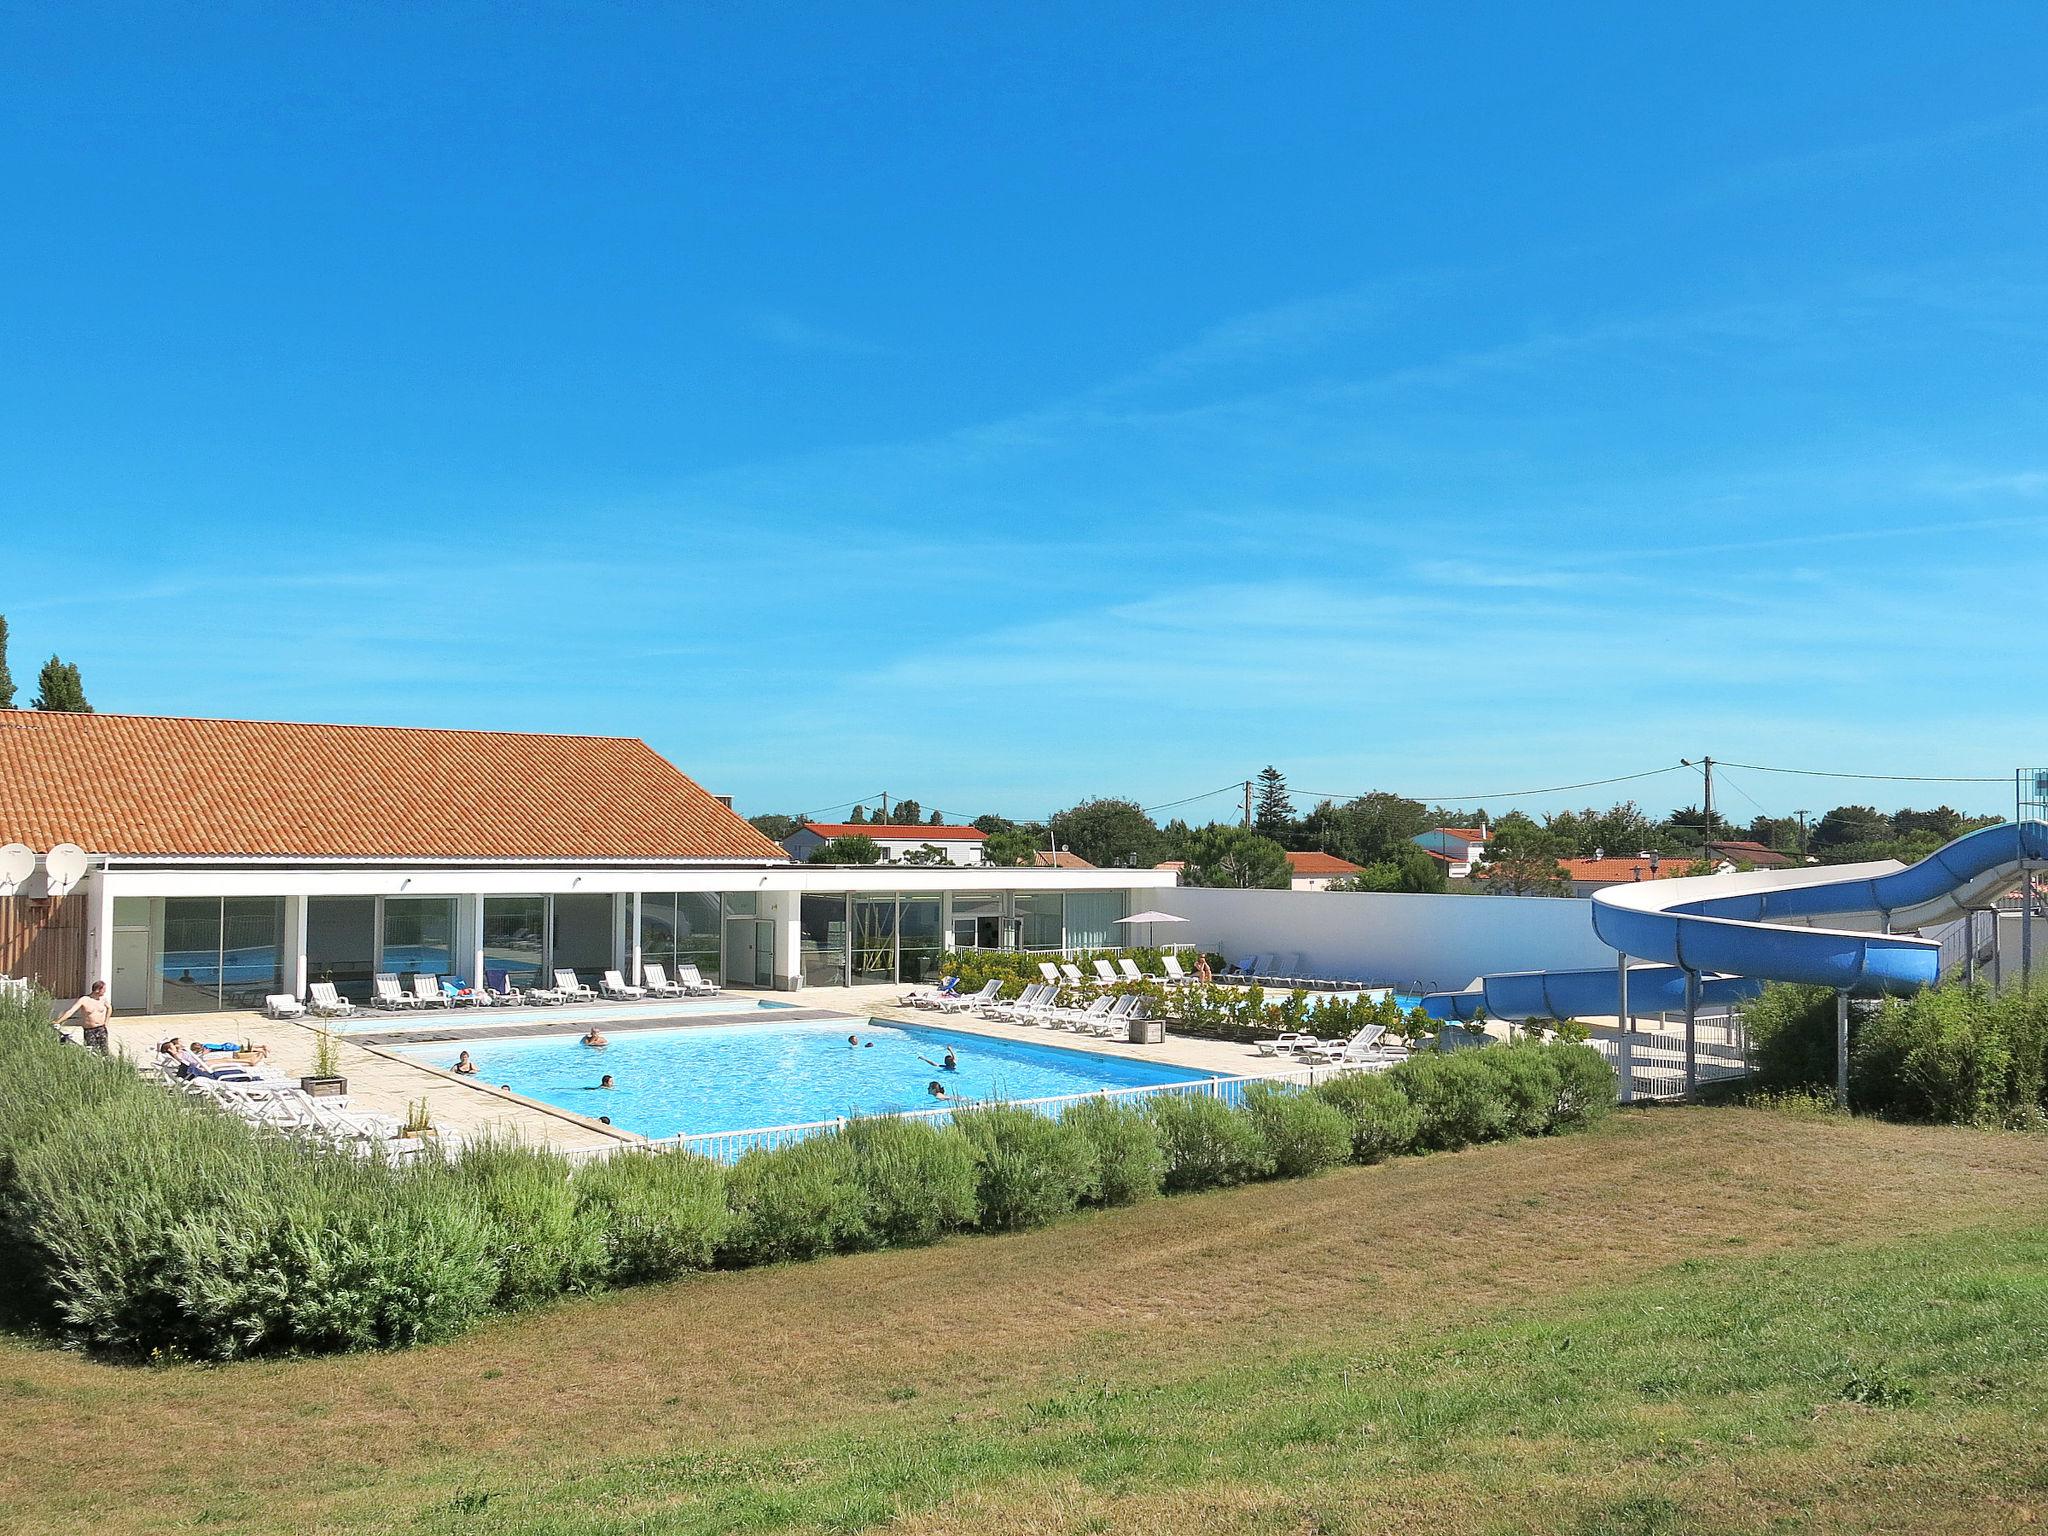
column 633, row 955
column 469, row 921
column 785, row 911
column 294, row 938
column 99, row 928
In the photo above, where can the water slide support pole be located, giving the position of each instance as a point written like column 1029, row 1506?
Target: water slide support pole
column 2026, row 926
column 1692, row 1025
column 1997, row 951
column 1970, row 947
column 1842, row 1049
column 1627, row 1052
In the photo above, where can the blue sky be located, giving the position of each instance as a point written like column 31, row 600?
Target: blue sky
column 1000, row 404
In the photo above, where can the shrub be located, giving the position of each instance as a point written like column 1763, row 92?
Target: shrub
column 917, row 1182
column 1207, row 1143
column 1304, row 1134
column 1377, row 1113
column 1939, row 1055
column 1127, row 1164
column 794, row 1202
column 662, row 1214
column 546, row 1241
column 1457, row 1098
column 1527, row 1083
column 1791, row 1037
column 1586, row 1086
column 1030, row 1168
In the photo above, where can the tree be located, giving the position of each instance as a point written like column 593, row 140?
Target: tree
column 774, row 828
column 1238, row 858
column 1850, row 824
column 854, row 848
column 1621, row 830
column 1521, row 860
column 1688, row 826
column 908, row 814
column 1410, row 869
column 6, row 677
column 1274, row 815
column 1369, row 830
column 930, row 853
column 993, row 824
column 1011, row 849
column 58, row 688
column 935, row 820
column 1110, row 833
column 1779, row 832
column 859, row 818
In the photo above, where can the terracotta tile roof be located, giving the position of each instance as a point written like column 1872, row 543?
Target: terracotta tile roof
column 1469, row 834
column 910, row 833
column 145, row 784
column 1321, row 864
column 1616, row 871
column 1061, row 860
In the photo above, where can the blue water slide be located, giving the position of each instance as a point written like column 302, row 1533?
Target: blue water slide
column 1737, row 931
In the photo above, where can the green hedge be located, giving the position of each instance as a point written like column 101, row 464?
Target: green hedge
column 136, row 1223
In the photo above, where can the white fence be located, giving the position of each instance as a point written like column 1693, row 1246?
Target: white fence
column 730, row 1146
column 1651, row 1063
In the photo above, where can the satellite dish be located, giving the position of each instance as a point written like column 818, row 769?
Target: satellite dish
column 64, row 866
column 17, row 863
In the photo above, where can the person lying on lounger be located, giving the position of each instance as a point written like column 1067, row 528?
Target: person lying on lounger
column 192, row 1064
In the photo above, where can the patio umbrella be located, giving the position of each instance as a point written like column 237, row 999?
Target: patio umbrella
column 1148, row 919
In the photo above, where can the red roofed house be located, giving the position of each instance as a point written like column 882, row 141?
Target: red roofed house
column 1315, row 871
column 958, row 845
column 1456, row 848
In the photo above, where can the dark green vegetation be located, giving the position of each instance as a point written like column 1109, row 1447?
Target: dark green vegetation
column 1956, row 1054
column 1805, row 1324
column 139, row 1224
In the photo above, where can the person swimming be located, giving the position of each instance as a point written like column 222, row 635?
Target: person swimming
column 936, row 1089
column 606, row 1081
column 852, row 1042
column 952, row 1062
column 595, row 1040
column 464, row 1067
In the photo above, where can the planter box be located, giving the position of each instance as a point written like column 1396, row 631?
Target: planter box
column 324, row 1087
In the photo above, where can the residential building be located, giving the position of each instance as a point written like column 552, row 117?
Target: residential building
column 1456, row 848
column 951, row 845
column 1315, row 871
column 227, row 860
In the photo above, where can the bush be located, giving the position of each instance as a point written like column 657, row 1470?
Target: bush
column 1377, row 1113
column 1127, row 1165
column 795, row 1202
column 1527, row 1083
column 917, row 1182
column 1303, row 1133
column 547, row 1242
column 1791, row 1038
column 662, row 1214
column 1457, row 1098
column 1940, row 1055
column 1207, row 1143
column 1030, row 1169
column 1586, row 1086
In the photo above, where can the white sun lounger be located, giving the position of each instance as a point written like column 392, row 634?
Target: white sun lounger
column 387, row 993
column 1174, row 974
column 1049, row 971
column 694, row 983
column 658, row 984
column 617, row 986
column 1130, row 968
column 426, row 986
column 991, row 990
column 567, row 984
column 1072, row 974
column 327, row 1002
column 1106, row 973
column 282, row 1005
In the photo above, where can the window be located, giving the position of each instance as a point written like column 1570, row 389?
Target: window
column 341, row 943
column 515, row 940
column 823, row 922
column 583, row 936
column 220, row 953
column 419, row 935
column 1038, row 915
column 1091, row 918
column 679, row 928
column 920, row 939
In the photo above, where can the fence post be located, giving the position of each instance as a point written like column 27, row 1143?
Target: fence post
column 1692, row 1033
column 1626, row 1025
column 1842, row 1049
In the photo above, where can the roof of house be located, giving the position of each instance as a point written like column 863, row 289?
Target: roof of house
column 1047, row 859
column 1469, row 834
column 1619, row 871
column 912, row 832
column 148, row 784
column 1744, row 852
column 1321, row 864
column 1172, row 864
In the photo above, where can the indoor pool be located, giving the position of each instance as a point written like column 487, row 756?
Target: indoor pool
column 454, row 1020
column 732, row 1077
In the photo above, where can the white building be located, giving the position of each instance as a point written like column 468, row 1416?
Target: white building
column 951, row 845
column 231, row 859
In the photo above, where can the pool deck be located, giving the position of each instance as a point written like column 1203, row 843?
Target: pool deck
column 379, row 1078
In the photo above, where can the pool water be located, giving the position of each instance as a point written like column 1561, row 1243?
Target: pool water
column 733, row 1077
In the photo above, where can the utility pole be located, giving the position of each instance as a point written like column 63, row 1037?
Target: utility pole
column 1706, row 766
column 885, row 807
column 1247, row 805
column 1802, row 835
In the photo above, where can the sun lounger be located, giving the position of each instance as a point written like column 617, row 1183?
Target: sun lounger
column 1072, row 974
column 282, row 1005
column 327, row 1002
column 503, row 993
column 922, row 997
column 990, row 991
column 1017, row 1010
column 1175, row 976
column 1130, row 968
column 1361, row 1047
column 385, row 992
column 1049, row 971
column 1285, row 1043
column 617, row 986
column 694, row 983
column 567, row 984
column 1106, row 973
column 658, row 984
column 458, row 993
column 426, row 986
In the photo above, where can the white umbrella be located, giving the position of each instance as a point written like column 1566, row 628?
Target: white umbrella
column 1148, row 919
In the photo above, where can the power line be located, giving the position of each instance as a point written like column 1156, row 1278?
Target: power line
column 1894, row 778
column 1233, row 787
column 1509, row 794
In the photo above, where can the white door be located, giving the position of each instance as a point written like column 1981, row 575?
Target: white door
column 131, row 969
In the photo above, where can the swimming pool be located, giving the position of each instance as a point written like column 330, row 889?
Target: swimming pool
column 733, row 1077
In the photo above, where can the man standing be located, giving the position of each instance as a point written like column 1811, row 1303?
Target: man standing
column 93, row 1009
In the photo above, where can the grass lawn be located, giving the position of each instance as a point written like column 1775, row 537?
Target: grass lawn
column 1706, row 1320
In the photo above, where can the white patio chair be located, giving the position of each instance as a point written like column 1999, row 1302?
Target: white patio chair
column 617, row 986
column 327, row 1002
column 282, row 1005
column 658, row 984
column 567, row 984
column 387, row 993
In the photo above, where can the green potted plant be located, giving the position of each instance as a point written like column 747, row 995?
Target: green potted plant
column 325, row 1081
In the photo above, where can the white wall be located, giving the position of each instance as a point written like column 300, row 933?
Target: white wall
column 1439, row 942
